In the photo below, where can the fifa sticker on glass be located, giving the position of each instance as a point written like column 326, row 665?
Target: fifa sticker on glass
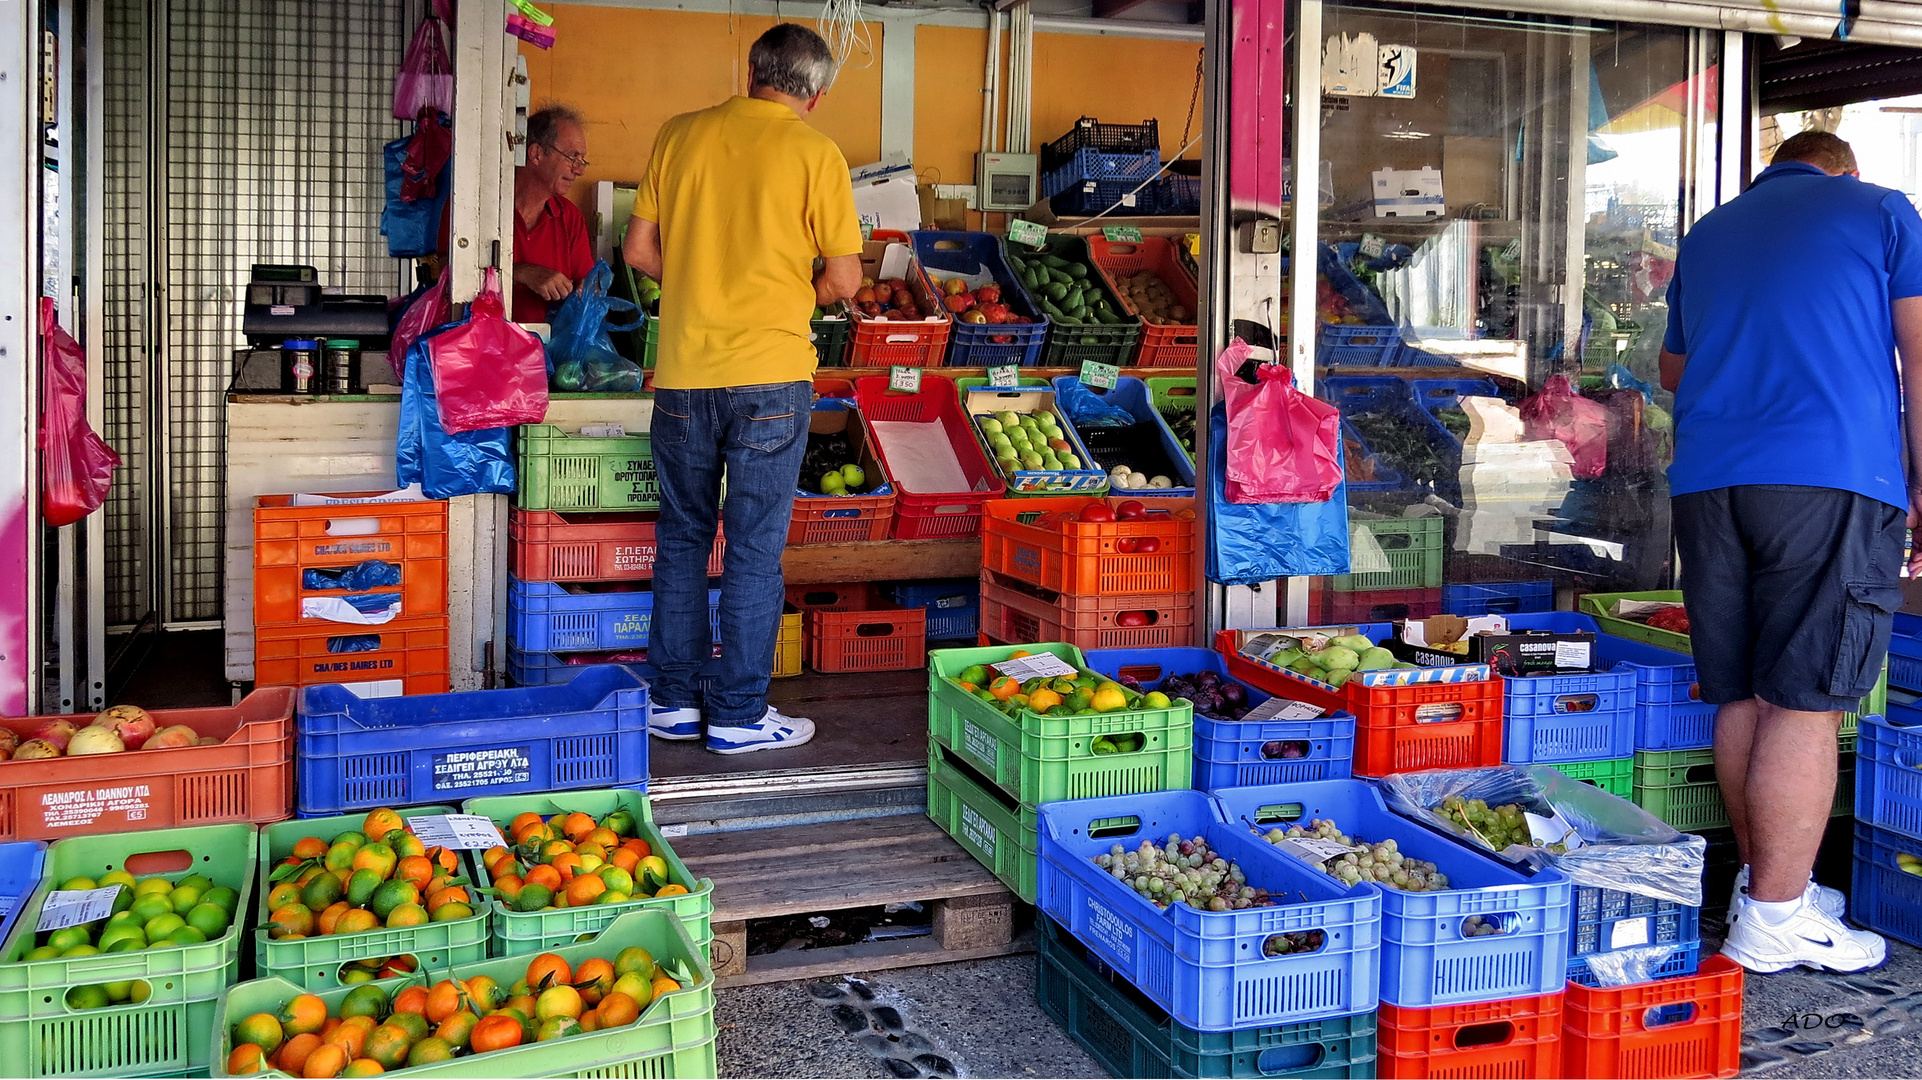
column 1121, row 234
column 1005, row 377
column 71, row 907
column 1099, row 375
column 457, row 832
column 1023, row 668
column 906, row 379
column 1027, row 232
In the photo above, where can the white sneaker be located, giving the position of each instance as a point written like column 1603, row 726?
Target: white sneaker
column 1831, row 901
column 771, row 732
column 1809, row 938
column 679, row 725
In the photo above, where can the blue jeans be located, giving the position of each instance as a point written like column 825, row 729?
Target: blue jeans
column 757, row 435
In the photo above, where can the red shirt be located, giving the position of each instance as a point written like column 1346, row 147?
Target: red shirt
column 556, row 240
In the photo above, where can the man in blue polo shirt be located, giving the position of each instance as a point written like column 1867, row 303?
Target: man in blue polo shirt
column 1785, row 316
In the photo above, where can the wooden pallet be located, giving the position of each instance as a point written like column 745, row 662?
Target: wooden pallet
column 820, row 868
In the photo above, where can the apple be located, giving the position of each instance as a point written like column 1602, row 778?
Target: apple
column 988, row 294
column 866, row 296
column 1096, row 512
column 883, row 292
column 1125, row 545
column 954, row 287
column 955, row 303
column 973, row 315
column 1130, row 510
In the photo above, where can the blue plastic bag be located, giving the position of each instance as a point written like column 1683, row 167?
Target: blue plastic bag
column 1084, row 408
column 580, row 355
column 1255, row 542
column 412, row 229
column 444, row 465
column 371, row 574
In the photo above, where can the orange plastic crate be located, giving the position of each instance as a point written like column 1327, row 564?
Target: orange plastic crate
column 1685, row 1027
column 855, row 628
column 322, row 536
column 247, row 778
column 1161, row 346
column 840, row 519
column 1080, row 557
column 1012, row 614
column 549, row 545
column 411, row 651
column 885, row 342
column 1514, row 1039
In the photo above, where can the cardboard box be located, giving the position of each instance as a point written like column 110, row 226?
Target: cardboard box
column 885, row 196
column 1511, row 653
column 1408, row 193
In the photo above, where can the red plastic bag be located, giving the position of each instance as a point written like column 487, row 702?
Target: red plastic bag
column 426, row 77
column 76, row 468
column 488, row 372
column 1283, row 446
column 428, row 310
column 1558, row 412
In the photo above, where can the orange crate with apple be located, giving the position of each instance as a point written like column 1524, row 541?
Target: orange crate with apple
column 899, row 318
column 1087, row 546
column 1012, row 611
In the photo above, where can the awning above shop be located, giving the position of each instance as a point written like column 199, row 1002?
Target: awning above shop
column 1825, row 74
column 1860, row 22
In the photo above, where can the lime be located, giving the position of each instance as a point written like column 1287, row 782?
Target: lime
column 209, row 919
column 119, row 991
column 227, row 899
column 151, row 907
column 195, row 881
column 79, row 951
column 124, row 918
column 161, row 926
column 78, row 884
column 123, row 900
column 87, row 997
column 364, row 1001
column 124, row 932
column 117, row 877
column 69, row 937
column 152, row 886
column 44, row 952
column 351, row 838
column 185, row 897
column 141, row 991
column 186, row 935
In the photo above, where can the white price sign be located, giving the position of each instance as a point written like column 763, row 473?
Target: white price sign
column 457, row 832
column 906, row 379
column 1573, row 654
column 1099, row 375
column 1313, row 849
column 1005, row 377
column 1280, row 708
column 1038, row 665
column 72, row 907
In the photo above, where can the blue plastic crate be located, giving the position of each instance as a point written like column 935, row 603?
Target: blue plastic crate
column 953, row 607
column 1685, row 960
column 1131, row 394
column 1178, row 193
column 525, row 669
column 1888, row 770
column 1882, row 896
column 1389, row 395
column 1232, row 753
column 543, row 616
column 1206, row 969
column 1096, row 166
column 357, row 753
column 1091, row 197
column 1668, row 714
column 1905, row 653
column 1587, row 717
column 1605, row 920
column 1434, row 395
column 945, row 254
column 1386, row 479
column 21, row 863
column 1426, row 959
column 1498, row 598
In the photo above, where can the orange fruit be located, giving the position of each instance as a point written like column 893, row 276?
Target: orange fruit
column 415, row 868
column 443, row 1001
column 577, row 826
column 458, row 1028
column 484, row 995
column 625, row 858
column 430, row 1049
column 558, row 1001
column 1004, row 687
column 309, row 847
column 447, row 861
column 407, row 915
column 293, row 919
column 388, row 1046
column 664, row 985
column 283, row 894
column 303, row 1015
column 594, row 978
column 262, row 1030
column 584, row 890
column 568, row 863
column 618, row 1010
column 364, row 1023
column 497, row 1032
column 493, row 855
column 672, row 890
column 544, row 875
column 350, row 1038
column 603, row 836
column 354, row 921
column 324, row 1063
column 1018, row 654
column 590, row 1021
column 553, row 849
column 330, row 918
column 293, row 1056
column 639, row 847
column 411, row 1000
column 452, row 894
column 246, row 1058
column 362, row 1067
column 381, row 822
column 548, row 970
column 519, row 1003
column 509, row 885
column 331, row 1023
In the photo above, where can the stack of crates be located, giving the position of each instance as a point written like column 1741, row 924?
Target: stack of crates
column 1582, row 723
column 852, row 627
column 1095, row 167
column 1049, row 575
column 350, row 590
column 991, row 767
column 1413, row 548
column 1885, row 891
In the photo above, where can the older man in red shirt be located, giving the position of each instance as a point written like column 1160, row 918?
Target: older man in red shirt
column 551, row 250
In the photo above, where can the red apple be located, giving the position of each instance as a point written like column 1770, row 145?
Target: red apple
column 1096, row 512
column 973, row 315
column 1130, row 510
column 956, row 304
column 865, row 296
column 1147, row 545
column 883, row 292
column 988, row 294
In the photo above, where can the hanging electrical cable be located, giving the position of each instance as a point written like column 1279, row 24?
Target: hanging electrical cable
column 846, row 32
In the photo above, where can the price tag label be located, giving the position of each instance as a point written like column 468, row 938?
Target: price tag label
column 7, row 904
column 1005, row 377
column 1573, row 654
column 458, row 832
column 673, row 831
column 1099, row 375
column 1023, row 668
column 1628, row 933
column 1372, row 246
column 71, row 907
column 1280, row 708
column 1027, row 232
column 1313, row 849
column 906, row 379
column 1128, row 200
column 1121, row 234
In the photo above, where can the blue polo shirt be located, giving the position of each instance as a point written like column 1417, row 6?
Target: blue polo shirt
column 1780, row 301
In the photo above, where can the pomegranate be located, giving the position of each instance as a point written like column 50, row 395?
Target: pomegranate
column 95, row 740
column 1126, row 545
column 1132, row 618
column 130, row 722
column 35, row 750
column 57, row 732
column 172, row 738
column 9, row 742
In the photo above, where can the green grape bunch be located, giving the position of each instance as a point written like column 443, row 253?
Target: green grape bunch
column 1381, row 863
column 1184, row 871
column 1499, row 827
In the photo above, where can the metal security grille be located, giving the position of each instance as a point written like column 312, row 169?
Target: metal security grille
column 270, row 116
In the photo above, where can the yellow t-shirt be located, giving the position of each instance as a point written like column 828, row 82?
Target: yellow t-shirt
column 746, row 195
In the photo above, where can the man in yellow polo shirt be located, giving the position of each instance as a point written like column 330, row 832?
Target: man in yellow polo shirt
column 747, row 220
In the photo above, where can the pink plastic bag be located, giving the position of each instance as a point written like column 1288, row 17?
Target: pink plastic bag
column 1283, row 446
column 426, row 76
column 1558, row 412
column 488, row 372
column 76, row 468
column 428, row 310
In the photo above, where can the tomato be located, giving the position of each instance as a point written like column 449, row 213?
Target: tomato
column 1130, row 510
column 1126, row 545
column 1097, row 512
column 1147, row 545
column 1132, row 618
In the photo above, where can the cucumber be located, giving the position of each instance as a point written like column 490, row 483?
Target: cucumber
column 1102, row 314
column 1060, row 276
column 1057, row 291
column 1055, row 262
column 1077, row 270
column 1047, row 306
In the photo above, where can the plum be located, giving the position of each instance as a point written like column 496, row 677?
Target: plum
column 1233, row 695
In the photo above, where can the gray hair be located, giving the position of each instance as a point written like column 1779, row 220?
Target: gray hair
column 544, row 126
column 792, row 60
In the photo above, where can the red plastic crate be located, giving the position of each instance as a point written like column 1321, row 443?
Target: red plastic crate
column 1013, row 614
column 248, row 777
column 1161, row 346
column 855, row 628
column 1514, row 1039
column 839, row 519
column 1680, row 1028
column 412, row 651
column 1332, row 608
column 930, row 514
column 1080, row 557
column 549, row 545
column 886, row 343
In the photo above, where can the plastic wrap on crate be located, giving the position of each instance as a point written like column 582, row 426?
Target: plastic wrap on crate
column 358, row 753
column 1208, row 969
column 1428, row 956
column 1624, row 847
column 1681, row 960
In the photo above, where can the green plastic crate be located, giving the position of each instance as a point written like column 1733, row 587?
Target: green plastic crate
column 518, row 932
column 1414, row 550
column 1679, row 787
column 314, row 962
column 672, row 1040
column 1071, row 345
column 830, row 340
column 166, row 1034
column 1617, row 776
column 559, row 471
column 1162, row 391
column 1037, row 759
column 1000, row 834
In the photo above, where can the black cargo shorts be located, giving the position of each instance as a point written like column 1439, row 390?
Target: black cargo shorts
column 1791, row 592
